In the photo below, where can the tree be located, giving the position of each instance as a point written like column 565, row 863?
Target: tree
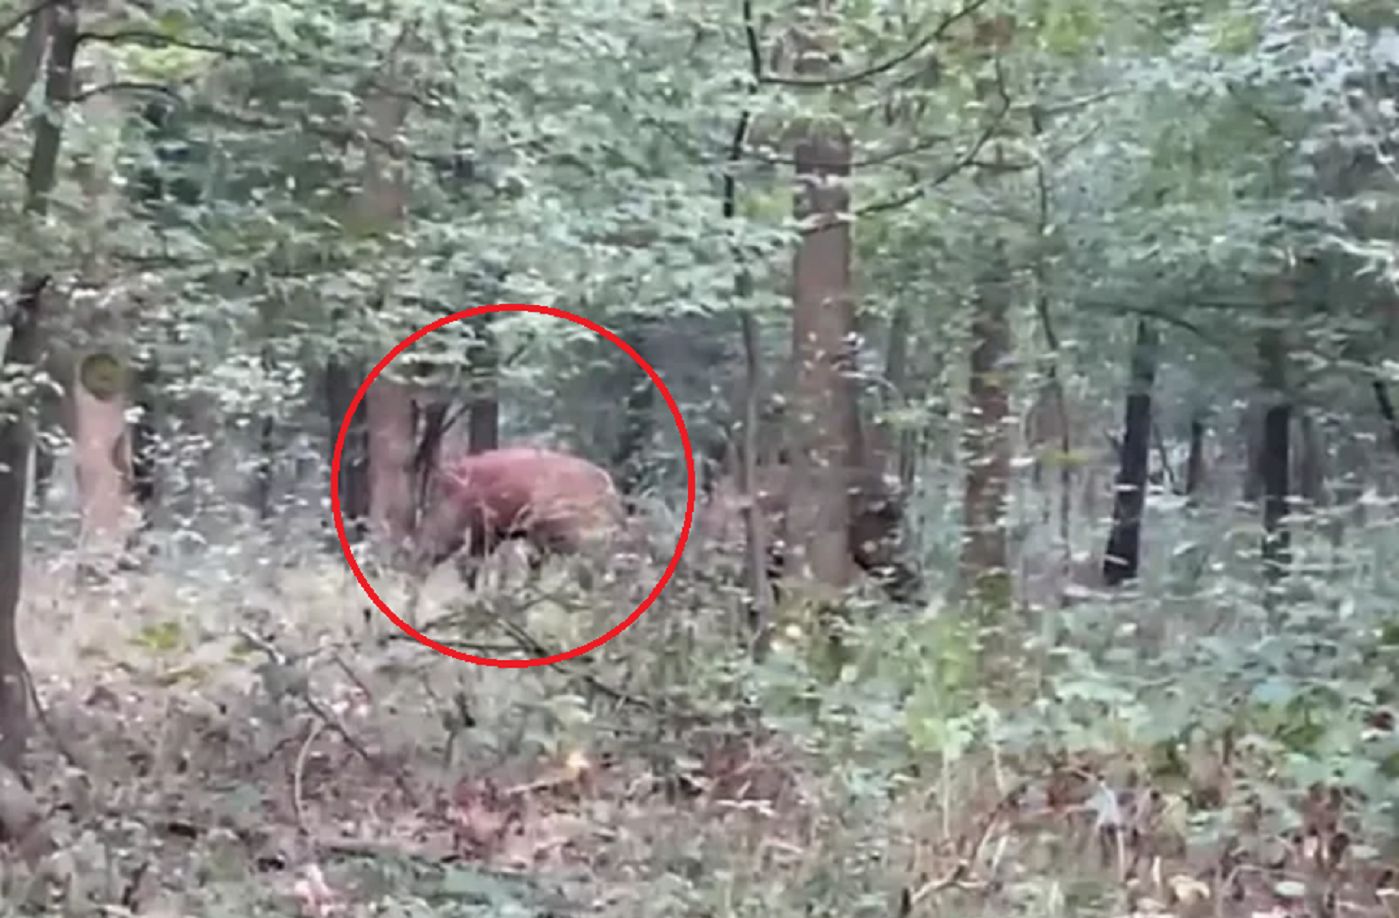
column 58, row 22
column 1122, row 558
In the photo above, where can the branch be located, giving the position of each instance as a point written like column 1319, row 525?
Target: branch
column 126, row 86
column 883, row 66
column 149, row 39
column 966, row 159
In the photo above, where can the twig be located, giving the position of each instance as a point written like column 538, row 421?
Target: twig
column 882, row 66
column 299, row 769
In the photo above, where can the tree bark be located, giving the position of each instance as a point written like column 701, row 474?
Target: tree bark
column 22, row 352
column 1195, row 462
column 984, row 560
column 380, row 207
column 1274, row 460
column 483, row 399
column 389, row 405
column 1386, row 409
column 823, row 332
column 1122, row 560
column 340, row 385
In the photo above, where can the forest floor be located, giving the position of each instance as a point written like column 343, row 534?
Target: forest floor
column 266, row 747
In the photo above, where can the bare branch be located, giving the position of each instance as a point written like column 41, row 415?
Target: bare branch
column 136, row 86
column 968, row 158
column 883, row 66
column 149, row 39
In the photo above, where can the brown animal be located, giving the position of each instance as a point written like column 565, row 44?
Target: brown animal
column 874, row 523
column 559, row 504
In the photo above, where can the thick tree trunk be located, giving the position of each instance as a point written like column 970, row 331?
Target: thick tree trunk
column 380, row 208
column 22, row 352
column 1122, row 560
column 823, row 329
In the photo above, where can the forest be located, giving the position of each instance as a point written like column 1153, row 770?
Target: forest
column 931, row 458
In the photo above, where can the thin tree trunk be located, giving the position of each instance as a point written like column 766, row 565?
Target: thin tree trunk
column 1386, row 408
column 1195, row 463
column 389, row 405
column 1276, row 538
column 1274, row 460
column 984, row 561
column 340, row 386
column 906, row 437
column 22, row 352
column 757, row 539
column 483, row 401
column 1122, row 559
column 756, row 536
column 144, row 445
column 265, row 464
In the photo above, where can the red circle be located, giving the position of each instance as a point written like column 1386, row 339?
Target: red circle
column 457, row 317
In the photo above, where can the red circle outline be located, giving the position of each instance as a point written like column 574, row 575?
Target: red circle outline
column 457, row 317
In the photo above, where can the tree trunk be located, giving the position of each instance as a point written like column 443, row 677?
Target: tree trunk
column 1195, row 463
column 389, row 409
column 905, row 436
column 483, row 399
column 757, row 540
column 1122, row 559
column 823, row 331
column 1311, row 463
column 1386, row 408
column 638, row 428
column 144, row 444
column 340, row 386
column 379, row 209
column 984, row 561
column 1274, row 461
column 22, row 351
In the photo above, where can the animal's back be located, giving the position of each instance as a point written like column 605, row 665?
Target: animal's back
column 552, row 494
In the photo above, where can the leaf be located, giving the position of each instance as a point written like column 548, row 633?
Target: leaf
column 163, row 637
